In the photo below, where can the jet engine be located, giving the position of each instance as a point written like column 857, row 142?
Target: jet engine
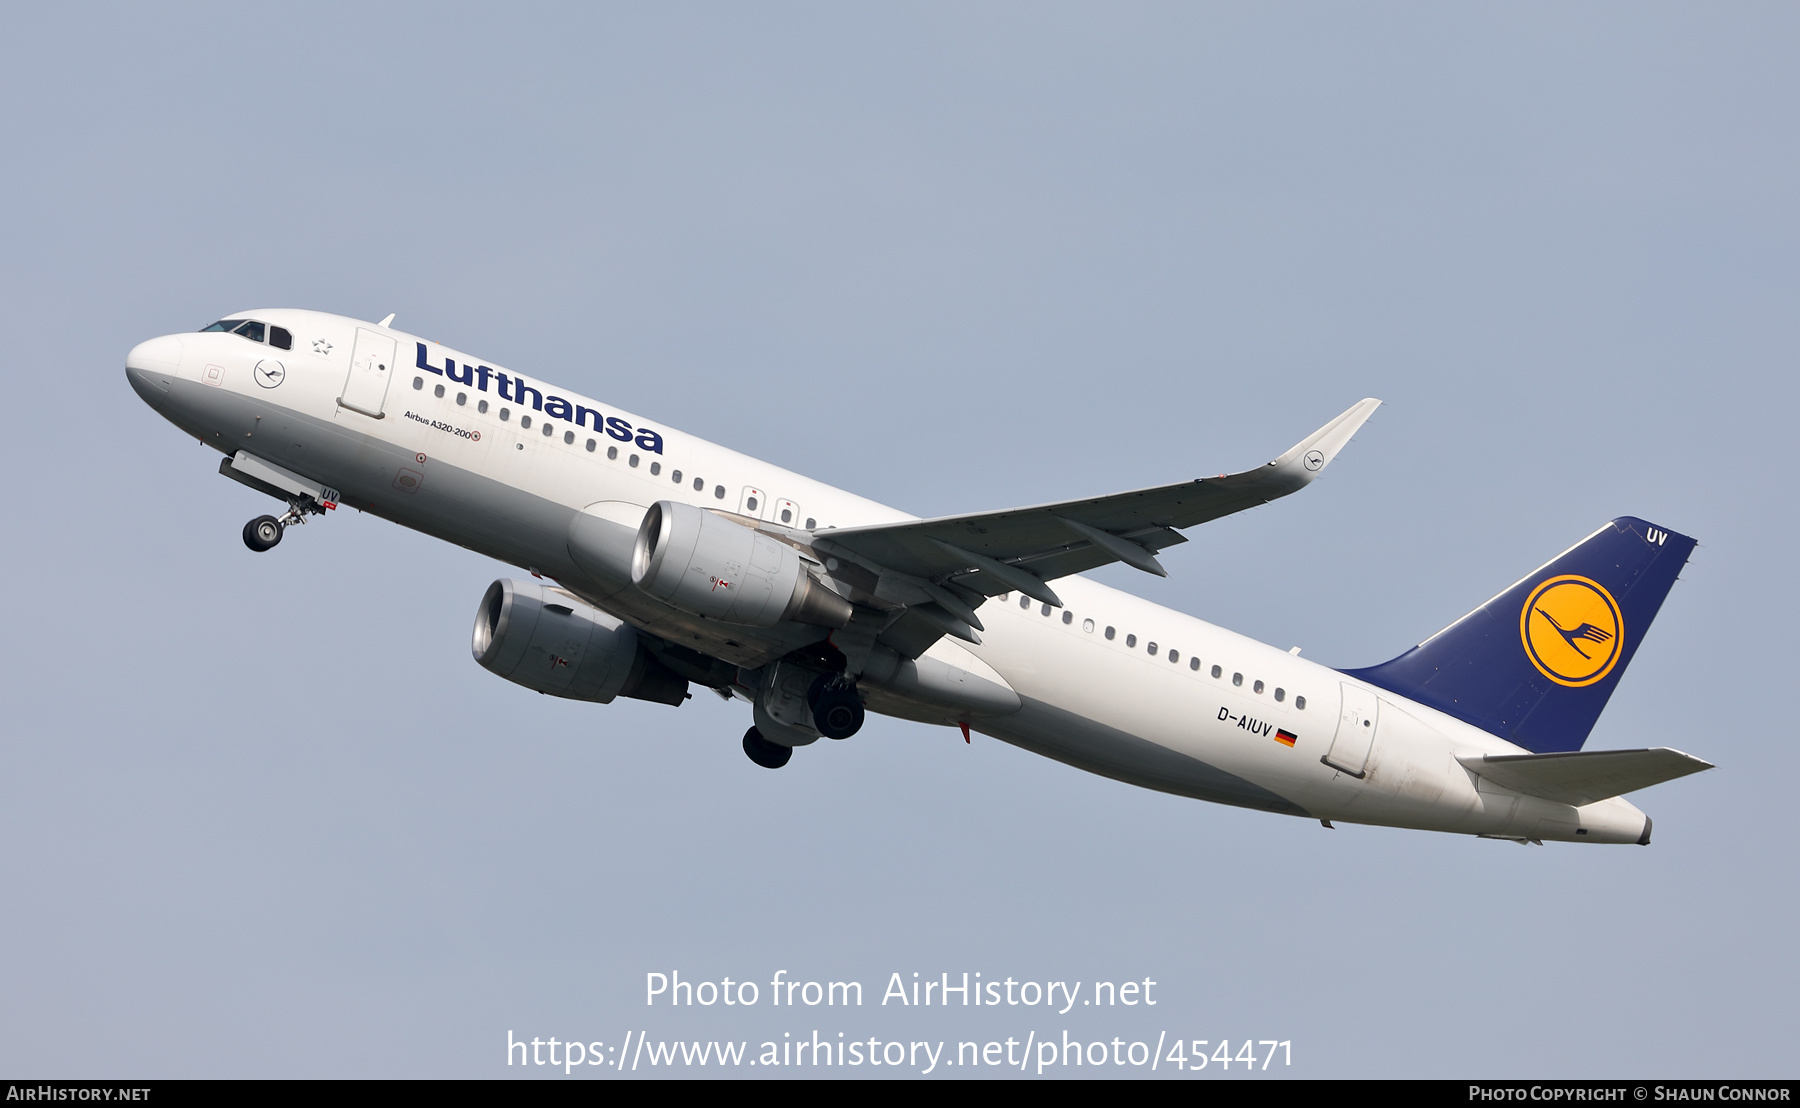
column 547, row 640
column 709, row 566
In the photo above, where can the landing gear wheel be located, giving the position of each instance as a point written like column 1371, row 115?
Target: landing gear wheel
column 764, row 753
column 837, row 710
column 839, row 715
column 262, row 533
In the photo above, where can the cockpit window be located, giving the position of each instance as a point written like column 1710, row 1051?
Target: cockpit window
column 252, row 330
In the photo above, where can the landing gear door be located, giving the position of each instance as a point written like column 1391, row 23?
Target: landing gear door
column 1357, row 724
column 371, row 368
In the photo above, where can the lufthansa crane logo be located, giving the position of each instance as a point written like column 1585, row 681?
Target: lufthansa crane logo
column 1572, row 630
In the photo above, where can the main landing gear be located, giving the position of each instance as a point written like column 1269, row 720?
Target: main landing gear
column 263, row 532
column 764, row 753
column 837, row 713
column 836, row 708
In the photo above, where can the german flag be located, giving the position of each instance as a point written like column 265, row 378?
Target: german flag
column 1286, row 738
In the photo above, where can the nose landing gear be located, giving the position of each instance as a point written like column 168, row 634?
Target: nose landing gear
column 263, row 532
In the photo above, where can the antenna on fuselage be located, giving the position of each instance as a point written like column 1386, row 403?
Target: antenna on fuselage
column 386, row 321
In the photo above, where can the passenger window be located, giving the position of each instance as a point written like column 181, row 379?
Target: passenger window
column 612, row 453
column 280, row 339
column 1068, row 618
column 750, row 503
column 1237, row 679
column 1300, row 703
column 811, row 523
column 675, row 477
column 1257, row 688
column 438, row 392
column 1046, row 609
column 1025, row 602
column 1109, row 634
column 1194, row 664
column 1280, row 694
column 1152, row 649
column 1174, row 655
column 525, row 421
column 656, row 469
column 1217, row 672
column 1088, row 626
column 632, row 461
column 699, row 484
column 787, row 515
column 461, row 399
column 1130, row 640
column 481, row 406
column 718, row 492
column 549, row 429
column 590, row 446
column 418, row 383
column 568, row 436
column 251, row 330
column 505, row 414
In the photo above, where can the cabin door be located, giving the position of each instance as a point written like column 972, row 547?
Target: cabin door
column 1357, row 724
column 371, row 368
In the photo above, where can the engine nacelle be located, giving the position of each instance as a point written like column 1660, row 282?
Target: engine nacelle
column 707, row 565
column 549, row 641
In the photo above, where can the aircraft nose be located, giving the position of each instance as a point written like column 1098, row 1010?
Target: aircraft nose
column 152, row 365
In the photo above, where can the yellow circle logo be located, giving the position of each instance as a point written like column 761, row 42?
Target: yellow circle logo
column 1572, row 630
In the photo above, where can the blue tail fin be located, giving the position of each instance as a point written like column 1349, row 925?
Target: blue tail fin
column 1536, row 664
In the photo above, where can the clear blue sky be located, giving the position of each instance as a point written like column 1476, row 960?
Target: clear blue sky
column 262, row 815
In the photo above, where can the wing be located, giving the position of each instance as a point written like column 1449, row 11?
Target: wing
column 943, row 568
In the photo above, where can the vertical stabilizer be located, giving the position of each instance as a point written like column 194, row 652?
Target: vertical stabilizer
column 1536, row 664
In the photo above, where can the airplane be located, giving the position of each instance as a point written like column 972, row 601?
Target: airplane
column 659, row 562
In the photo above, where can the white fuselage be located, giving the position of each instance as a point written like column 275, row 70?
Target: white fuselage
column 1108, row 683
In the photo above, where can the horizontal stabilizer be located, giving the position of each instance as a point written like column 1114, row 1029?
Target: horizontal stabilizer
column 1583, row 777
